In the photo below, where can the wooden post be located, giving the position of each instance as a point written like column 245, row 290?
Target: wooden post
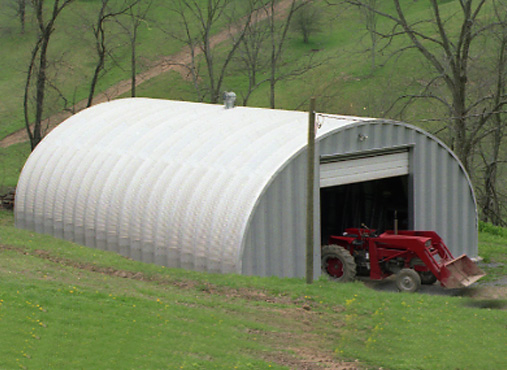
column 310, row 193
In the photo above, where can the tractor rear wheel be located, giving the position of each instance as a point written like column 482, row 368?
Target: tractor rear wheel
column 408, row 280
column 338, row 263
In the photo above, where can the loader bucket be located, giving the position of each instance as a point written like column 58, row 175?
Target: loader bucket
column 460, row 272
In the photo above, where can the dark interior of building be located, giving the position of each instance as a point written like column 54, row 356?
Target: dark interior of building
column 373, row 203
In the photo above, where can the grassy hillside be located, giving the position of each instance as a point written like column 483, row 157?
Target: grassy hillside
column 66, row 306
column 344, row 84
column 12, row 160
column 72, row 55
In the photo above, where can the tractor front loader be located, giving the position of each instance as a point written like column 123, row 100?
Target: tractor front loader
column 415, row 257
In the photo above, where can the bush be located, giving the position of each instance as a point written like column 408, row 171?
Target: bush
column 486, row 227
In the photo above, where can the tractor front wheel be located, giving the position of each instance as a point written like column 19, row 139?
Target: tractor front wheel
column 408, row 280
column 427, row 277
column 338, row 263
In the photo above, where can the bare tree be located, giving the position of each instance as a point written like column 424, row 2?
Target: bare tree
column 279, row 22
column 448, row 51
column 21, row 13
column 459, row 80
column 108, row 11
column 370, row 18
column 250, row 60
column 197, row 25
column 16, row 9
column 491, row 153
column 136, row 16
column 261, row 55
column 278, row 26
column 37, row 69
column 307, row 20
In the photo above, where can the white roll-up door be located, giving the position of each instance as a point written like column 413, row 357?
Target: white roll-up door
column 360, row 168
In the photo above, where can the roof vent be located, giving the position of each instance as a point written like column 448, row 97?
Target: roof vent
column 229, row 99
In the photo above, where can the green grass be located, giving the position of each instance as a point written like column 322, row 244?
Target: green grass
column 12, row 160
column 493, row 242
column 67, row 306
column 55, row 325
column 423, row 332
column 167, row 86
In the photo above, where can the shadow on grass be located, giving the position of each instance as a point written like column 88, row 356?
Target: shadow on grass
column 494, row 304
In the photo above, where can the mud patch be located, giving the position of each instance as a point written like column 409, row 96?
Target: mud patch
column 486, row 293
column 492, row 304
column 297, row 357
column 306, row 359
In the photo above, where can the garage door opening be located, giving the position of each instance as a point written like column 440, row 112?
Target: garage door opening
column 373, row 203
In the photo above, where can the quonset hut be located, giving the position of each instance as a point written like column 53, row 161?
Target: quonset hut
column 201, row 187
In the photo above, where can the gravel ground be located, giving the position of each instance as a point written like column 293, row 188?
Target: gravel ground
column 492, row 290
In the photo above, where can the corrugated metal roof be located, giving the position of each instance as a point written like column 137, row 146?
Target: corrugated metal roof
column 202, row 187
column 162, row 181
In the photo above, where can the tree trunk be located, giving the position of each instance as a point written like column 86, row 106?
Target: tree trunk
column 491, row 207
column 93, row 84
column 40, row 57
column 100, row 47
column 40, row 91
column 22, row 14
column 133, row 63
column 272, row 83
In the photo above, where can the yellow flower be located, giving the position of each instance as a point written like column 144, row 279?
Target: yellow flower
column 349, row 301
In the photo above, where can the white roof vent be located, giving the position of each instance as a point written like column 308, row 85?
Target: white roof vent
column 229, row 99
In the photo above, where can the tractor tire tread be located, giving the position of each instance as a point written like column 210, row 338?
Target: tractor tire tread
column 349, row 265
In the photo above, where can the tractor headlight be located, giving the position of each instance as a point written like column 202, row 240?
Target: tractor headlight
column 428, row 243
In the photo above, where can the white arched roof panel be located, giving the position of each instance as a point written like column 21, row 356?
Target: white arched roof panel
column 161, row 181
column 178, row 183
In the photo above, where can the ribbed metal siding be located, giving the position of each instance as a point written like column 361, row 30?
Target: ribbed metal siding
column 160, row 181
column 275, row 240
column 443, row 198
column 199, row 187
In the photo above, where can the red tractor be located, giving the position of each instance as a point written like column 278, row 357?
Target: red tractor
column 415, row 257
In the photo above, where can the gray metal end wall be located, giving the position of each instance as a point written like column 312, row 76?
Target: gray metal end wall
column 275, row 243
column 442, row 199
column 442, row 194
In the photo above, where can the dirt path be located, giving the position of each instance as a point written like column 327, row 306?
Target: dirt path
column 175, row 62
